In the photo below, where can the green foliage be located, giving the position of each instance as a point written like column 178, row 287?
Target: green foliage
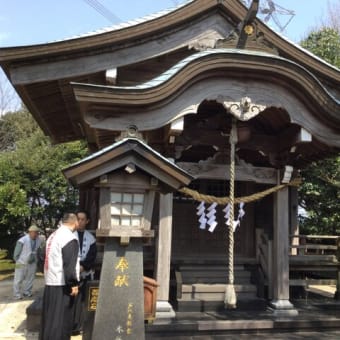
column 13, row 205
column 320, row 197
column 5, row 265
column 15, row 126
column 324, row 43
column 320, row 191
column 32, row 186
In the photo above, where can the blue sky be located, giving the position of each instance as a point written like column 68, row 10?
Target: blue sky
column 25, row 22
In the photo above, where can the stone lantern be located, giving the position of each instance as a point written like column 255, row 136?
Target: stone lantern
column 128, row 174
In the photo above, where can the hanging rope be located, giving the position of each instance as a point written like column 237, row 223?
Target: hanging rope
column 230, row 295
column 245, row 199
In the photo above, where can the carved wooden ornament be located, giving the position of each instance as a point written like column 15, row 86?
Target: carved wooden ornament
column 242, row 110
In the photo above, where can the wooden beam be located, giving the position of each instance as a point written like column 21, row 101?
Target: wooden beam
column 251, row 15
column 292, row 136
column 221, row 171
column 124, row 232
column 104, row 208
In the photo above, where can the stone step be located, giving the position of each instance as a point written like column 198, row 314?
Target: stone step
column 207, row 273
column 259, row 326
column 212, row 280
column 197, row 305
column 216, row 288
column 215, row 292
column 212, row 274
column 210, row 267
column 206, row 296
column 212, row 259
column 224, row 274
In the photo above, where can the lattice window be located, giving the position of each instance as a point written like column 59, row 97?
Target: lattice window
column 126, row 209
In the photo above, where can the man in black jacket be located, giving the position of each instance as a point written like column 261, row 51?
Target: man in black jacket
column 87, row 257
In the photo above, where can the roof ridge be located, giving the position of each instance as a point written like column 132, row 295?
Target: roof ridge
column 125, row 24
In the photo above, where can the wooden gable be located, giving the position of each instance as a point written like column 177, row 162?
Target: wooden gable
column 126, row 153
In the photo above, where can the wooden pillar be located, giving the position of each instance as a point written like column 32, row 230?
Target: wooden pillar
column 89, row 201
column 280, row 303
column 163, row 257
column 337, row 292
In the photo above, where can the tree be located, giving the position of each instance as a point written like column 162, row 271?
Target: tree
column 320, row 197
column 325, row 43
column 320, row 192
column 9, row 100
column 32, row 186
column 15, row 126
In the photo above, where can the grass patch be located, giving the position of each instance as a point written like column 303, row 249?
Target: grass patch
column 6, row 266
column 5, row 276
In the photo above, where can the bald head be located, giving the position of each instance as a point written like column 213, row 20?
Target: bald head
column 70, row 220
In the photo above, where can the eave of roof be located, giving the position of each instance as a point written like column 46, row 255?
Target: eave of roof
column 102, row 104
column 147, row 26
column 156, row 90
column 110, row 35
column 124, row 25
column 167, row 75
column 126, row 145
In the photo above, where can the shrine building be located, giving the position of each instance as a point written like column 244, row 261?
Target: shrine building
column 207, row 93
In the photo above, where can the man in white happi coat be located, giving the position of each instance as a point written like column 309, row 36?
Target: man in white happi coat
column 61, row 271
column 25, row 257
column 87, row 258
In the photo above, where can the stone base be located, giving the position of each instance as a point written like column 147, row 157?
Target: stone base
column 282, row 308
column 164, row 310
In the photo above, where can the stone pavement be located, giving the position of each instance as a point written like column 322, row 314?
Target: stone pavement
column 13, row 312
column 329, row 335
column 13, row 321
column 318, row 318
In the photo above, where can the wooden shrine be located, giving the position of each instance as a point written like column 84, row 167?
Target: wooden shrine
column 176, row 82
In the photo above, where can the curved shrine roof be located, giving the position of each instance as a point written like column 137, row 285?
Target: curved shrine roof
column 42, row 74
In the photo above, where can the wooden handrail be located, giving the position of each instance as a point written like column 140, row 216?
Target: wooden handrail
column 264, row 256
column 315, row 236
column 314, row 246
column 304, row 257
